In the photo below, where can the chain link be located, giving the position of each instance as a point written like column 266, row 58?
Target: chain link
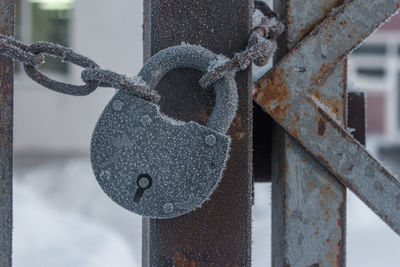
column 19, row 51
column 93, row 76
column 261, row 46
column 66, row 55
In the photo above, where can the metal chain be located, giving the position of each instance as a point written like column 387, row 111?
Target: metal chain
column 261, row 46
column 93, row 76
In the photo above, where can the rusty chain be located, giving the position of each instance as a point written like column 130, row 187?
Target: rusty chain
column 261, row 46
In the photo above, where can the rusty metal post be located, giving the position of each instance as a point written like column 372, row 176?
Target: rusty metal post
column 218, row 233
column 6, row 136
column 308, row 203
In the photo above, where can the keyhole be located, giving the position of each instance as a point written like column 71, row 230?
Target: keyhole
column 143, row 182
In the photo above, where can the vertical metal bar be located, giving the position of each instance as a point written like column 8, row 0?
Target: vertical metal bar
column 308, row 203
column 6, row 136
column 218, row 233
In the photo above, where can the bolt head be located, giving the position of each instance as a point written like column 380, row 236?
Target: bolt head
column 117, row 105
column 145, row 120
column 210, row 140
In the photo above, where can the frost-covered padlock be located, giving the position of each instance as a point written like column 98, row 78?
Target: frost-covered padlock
column 156, row 166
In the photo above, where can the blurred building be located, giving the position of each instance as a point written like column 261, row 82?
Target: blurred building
column 47, row 122
column 109, row 32
column 375, row 68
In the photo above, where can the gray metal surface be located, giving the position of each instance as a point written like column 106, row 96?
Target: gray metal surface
column 308, row 203
column 156, row 166
column 218, row 233
column 6, row 137
column 201, row 59
column 289, row 93
column 184, row 160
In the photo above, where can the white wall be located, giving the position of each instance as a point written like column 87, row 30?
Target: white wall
column 109, row 32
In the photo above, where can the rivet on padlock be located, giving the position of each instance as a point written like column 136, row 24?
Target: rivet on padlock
column 156, row 166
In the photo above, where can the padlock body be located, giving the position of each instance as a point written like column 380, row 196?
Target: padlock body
column 134, row 139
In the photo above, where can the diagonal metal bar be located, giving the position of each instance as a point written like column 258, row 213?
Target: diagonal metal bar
column 289, row 93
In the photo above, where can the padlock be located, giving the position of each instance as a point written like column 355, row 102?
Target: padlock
column 157, row 166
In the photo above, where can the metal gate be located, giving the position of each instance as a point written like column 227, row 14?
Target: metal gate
column 313, row 157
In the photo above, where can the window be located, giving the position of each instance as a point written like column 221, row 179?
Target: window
column 50, row 22
column 372, row 72
column 371, row 49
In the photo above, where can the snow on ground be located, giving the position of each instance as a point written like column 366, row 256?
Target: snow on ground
column 47, row 236
column 62, row 218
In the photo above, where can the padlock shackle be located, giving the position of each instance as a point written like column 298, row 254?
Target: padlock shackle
column 199, row 58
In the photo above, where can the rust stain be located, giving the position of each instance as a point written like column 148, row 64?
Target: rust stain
column 295, row 133
column 272, row 94
column 237, row 122
column 296, row 115
column 279, row 112
column 335, row 125
column 332, row 258
column 398, row 5
column 182, row 261
column 289, row 145
column 313, row 185
column 317, row 94
column 294, row 128
column 329, row 38
column 327, row 193
column 239, row 135
column 335, row 105
column 341, row 224
column 323, row 72
column 321, row 131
